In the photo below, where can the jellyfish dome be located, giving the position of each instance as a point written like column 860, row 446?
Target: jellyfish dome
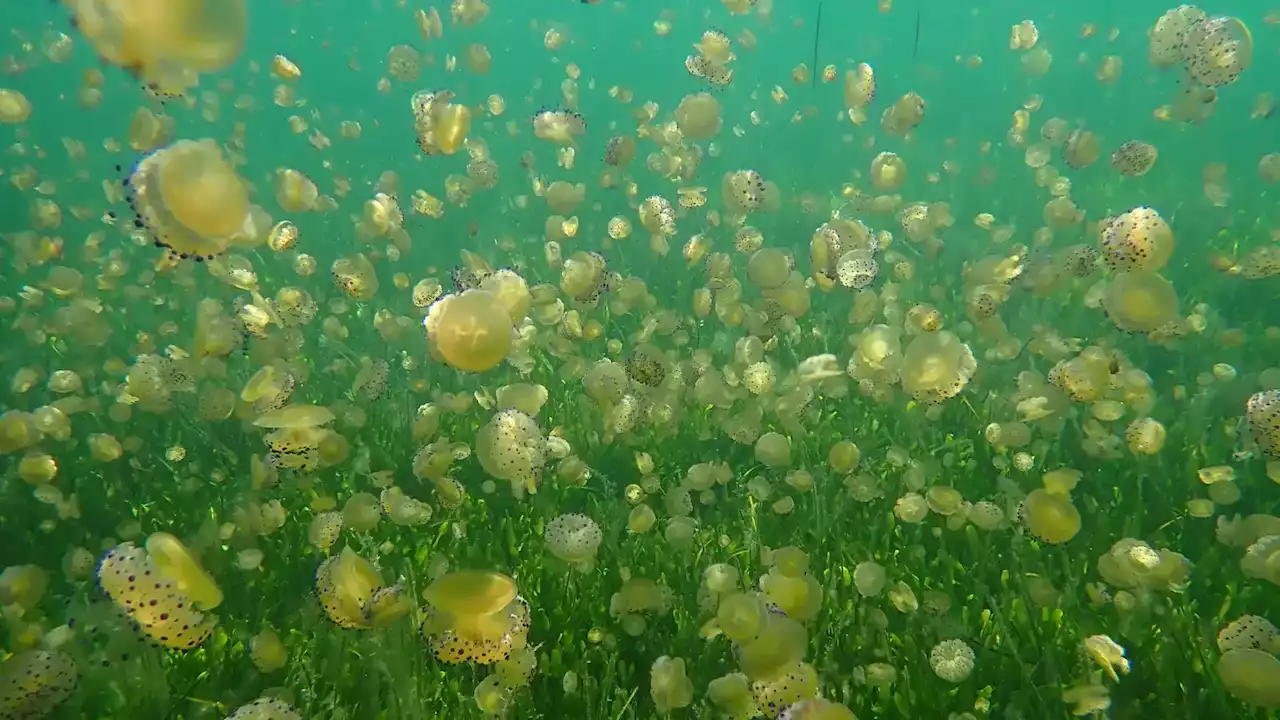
column 138, row 586
column 936, row 367
column 471, row 331
column 165, row 44
column 265, row 708
column 574, row 538
column 1224, row 50
column 1140, row 302
column 475, row 616
column 857, row 269
column 33, row 683
column 1137, row 241
column 511, row 447
column 190, row 199
column 1262, row 411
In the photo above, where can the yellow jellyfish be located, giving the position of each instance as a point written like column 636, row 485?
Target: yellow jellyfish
column 1140, row 302
column 574, row 538
column 698, row 116
column 165, row 44
column 151, row 599
column 1137, row 241
column 353, row 594
column 936, row 366
column 1050, row 517
column 1134, row 158
column 511, row 447
column 475, row 616
column 190, row 199
column 33, row 683
column 471, row 331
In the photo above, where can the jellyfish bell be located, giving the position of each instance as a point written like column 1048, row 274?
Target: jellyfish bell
column 1140, row 302
column 33, row 683
column 168, row 44
column 132, row 580
column 561, row 127
column 472, row 331
column 1134, row 158
column 1137, row 241
column 189, row 198
column 1224, row 50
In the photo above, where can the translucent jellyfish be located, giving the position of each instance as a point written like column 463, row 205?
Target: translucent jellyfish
column 1262, row 412
column 1134, row 158
column 904, row 115
column 472, row 331
column 151, row 599
column 1248, row 632
column 731, row 696
column 669, row 686
column 1140, row 302
column 356, row 276
column 779, row 645
column 952, row 660
column 189, row 198
column 1224, row 50
column 620, row 150
column 1251, row 676
column 857, row 269
column 1262, row 559
column 936, row 367
column 1081, row 149
column 774, row 450
column 33, row 683
column 1165, row 38
column 574, row 538
column 403, row 63
column 769, row 268
column 266, row 708
column 790, row 685
column 1050, row 517
column 475, row 616
column 511, row 447
column 888, row 172
column 698, row 116
column 1145, row 436
column 353, row 594
column 1137, row 241
column 561, row 127
column 295, row 192
column 168, row 44
column 15, row 108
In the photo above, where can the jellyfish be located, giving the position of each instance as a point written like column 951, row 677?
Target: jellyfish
column 189, row 199
column 952, row 660
column 1262, row 411
column 560, row 127
column 1224, row 50
column 265, row 708
column 1137, row 241
column 698, row 116
column 936, row 367
column 33, row 683
column 475, row 616
column 1050, row 517
column 471, row 331
column 511, row 447
column 1134, row 158
column 168, row 44
column 1140, row 302
column 150, row 597
column 574, row 538
column 857, row 269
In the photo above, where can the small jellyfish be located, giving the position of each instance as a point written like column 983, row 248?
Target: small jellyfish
column 574, row 538
column 1137, row 241
column 190, row 199
column 472, row 331
column 265, row 708
column 1050, row 517
column 1134, row 158
column 33, row 683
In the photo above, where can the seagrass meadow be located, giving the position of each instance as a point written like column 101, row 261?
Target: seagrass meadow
column 622, row 360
